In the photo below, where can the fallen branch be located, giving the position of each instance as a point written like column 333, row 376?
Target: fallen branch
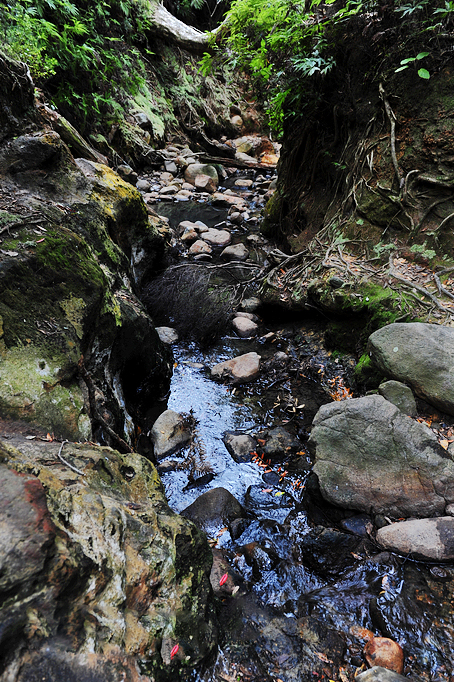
column 412, row 285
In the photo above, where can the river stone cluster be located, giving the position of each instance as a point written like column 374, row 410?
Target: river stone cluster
column 371, row 456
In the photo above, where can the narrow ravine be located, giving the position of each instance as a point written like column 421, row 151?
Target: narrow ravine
column 303, row 585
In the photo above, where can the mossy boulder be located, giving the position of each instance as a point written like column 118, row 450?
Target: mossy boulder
column 121, row 575
column 65, row 292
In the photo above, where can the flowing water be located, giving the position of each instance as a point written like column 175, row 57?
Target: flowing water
column 310, row 579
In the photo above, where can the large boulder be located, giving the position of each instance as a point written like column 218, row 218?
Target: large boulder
column 92, row 559
column 371, row 457
column 72, row 240
column 419, row 354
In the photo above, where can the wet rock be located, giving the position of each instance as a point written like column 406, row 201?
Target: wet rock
column 225, row 200
column 214, row 509
column 195, row 169
column 243, row 182
column 205, row 184
column 419, row 354
column 235, row 252
column 189, row 235
column 221, row 578
column 265, row 504
column 241, row 156
column 251, row 305
column 143, row 185
column 259, row 558
column 239, row 370
column 171, row 167
column 328, row 551
column 168, row 190
column 127, row 173
column 244, row 328
column 73, row 544
column 360, row 524
column 399, row 395
column 169, row 434
column 378, row 674
column 422, row 538
column 279, row 444
column 386, row 653
column 200, row 248
column 240, row 445
column 216, row 237
column 371, row 457
column 166, row 177
column 167, row 334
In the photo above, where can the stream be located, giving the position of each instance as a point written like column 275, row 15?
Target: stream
column 307, row 585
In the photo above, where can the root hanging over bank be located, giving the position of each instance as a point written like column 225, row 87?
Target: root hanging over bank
column 198, row 300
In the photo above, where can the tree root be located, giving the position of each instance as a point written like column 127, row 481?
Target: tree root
column 94, row 410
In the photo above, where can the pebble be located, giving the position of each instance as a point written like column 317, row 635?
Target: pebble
column 217, row 237
column 244, row 328
column 200, row 247
column 235, row 252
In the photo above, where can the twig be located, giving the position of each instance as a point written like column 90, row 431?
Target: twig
column 441, row 288
column 426, row 213
column 59, row 455
column 412, row 285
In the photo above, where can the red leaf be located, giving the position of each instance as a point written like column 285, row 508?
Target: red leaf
column 223, row 579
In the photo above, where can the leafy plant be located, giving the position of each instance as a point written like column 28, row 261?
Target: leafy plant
column 405, row 63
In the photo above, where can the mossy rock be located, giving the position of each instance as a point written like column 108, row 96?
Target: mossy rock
column 366, row 374
column 114, row 548
column 271, row 226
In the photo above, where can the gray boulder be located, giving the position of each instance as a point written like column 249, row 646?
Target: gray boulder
column 213, row 509
column 195, row 169
column 399, row 395
column 240, row 445
column 244, row 327
column 421, row 355
column 371, row 457
column 422, row 538
column 169, row 434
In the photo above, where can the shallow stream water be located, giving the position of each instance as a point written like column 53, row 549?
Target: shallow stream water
column 310, row 579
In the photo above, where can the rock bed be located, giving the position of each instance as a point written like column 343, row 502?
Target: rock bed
column 320, row 566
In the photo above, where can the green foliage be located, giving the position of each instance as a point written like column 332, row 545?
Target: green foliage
column 79, row 52
column 288, row 46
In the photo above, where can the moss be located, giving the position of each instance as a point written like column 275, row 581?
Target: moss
column 30, row 390
column 271, row 220
column 366, row 373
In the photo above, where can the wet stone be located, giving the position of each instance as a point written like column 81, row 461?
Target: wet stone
column 327, row 550
column 378, row 674
column 357, row 525
column 423, row 538
column 214, row 509
column 239, row 370
column 143, row 185
column 200, row 248
column 279, row 444
column 217, row 237
column 385, row 653
column 235, row 252
column 189, row 235
column 240, row 446
column 167, row 334
column 244, row 328
column 169, row 434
